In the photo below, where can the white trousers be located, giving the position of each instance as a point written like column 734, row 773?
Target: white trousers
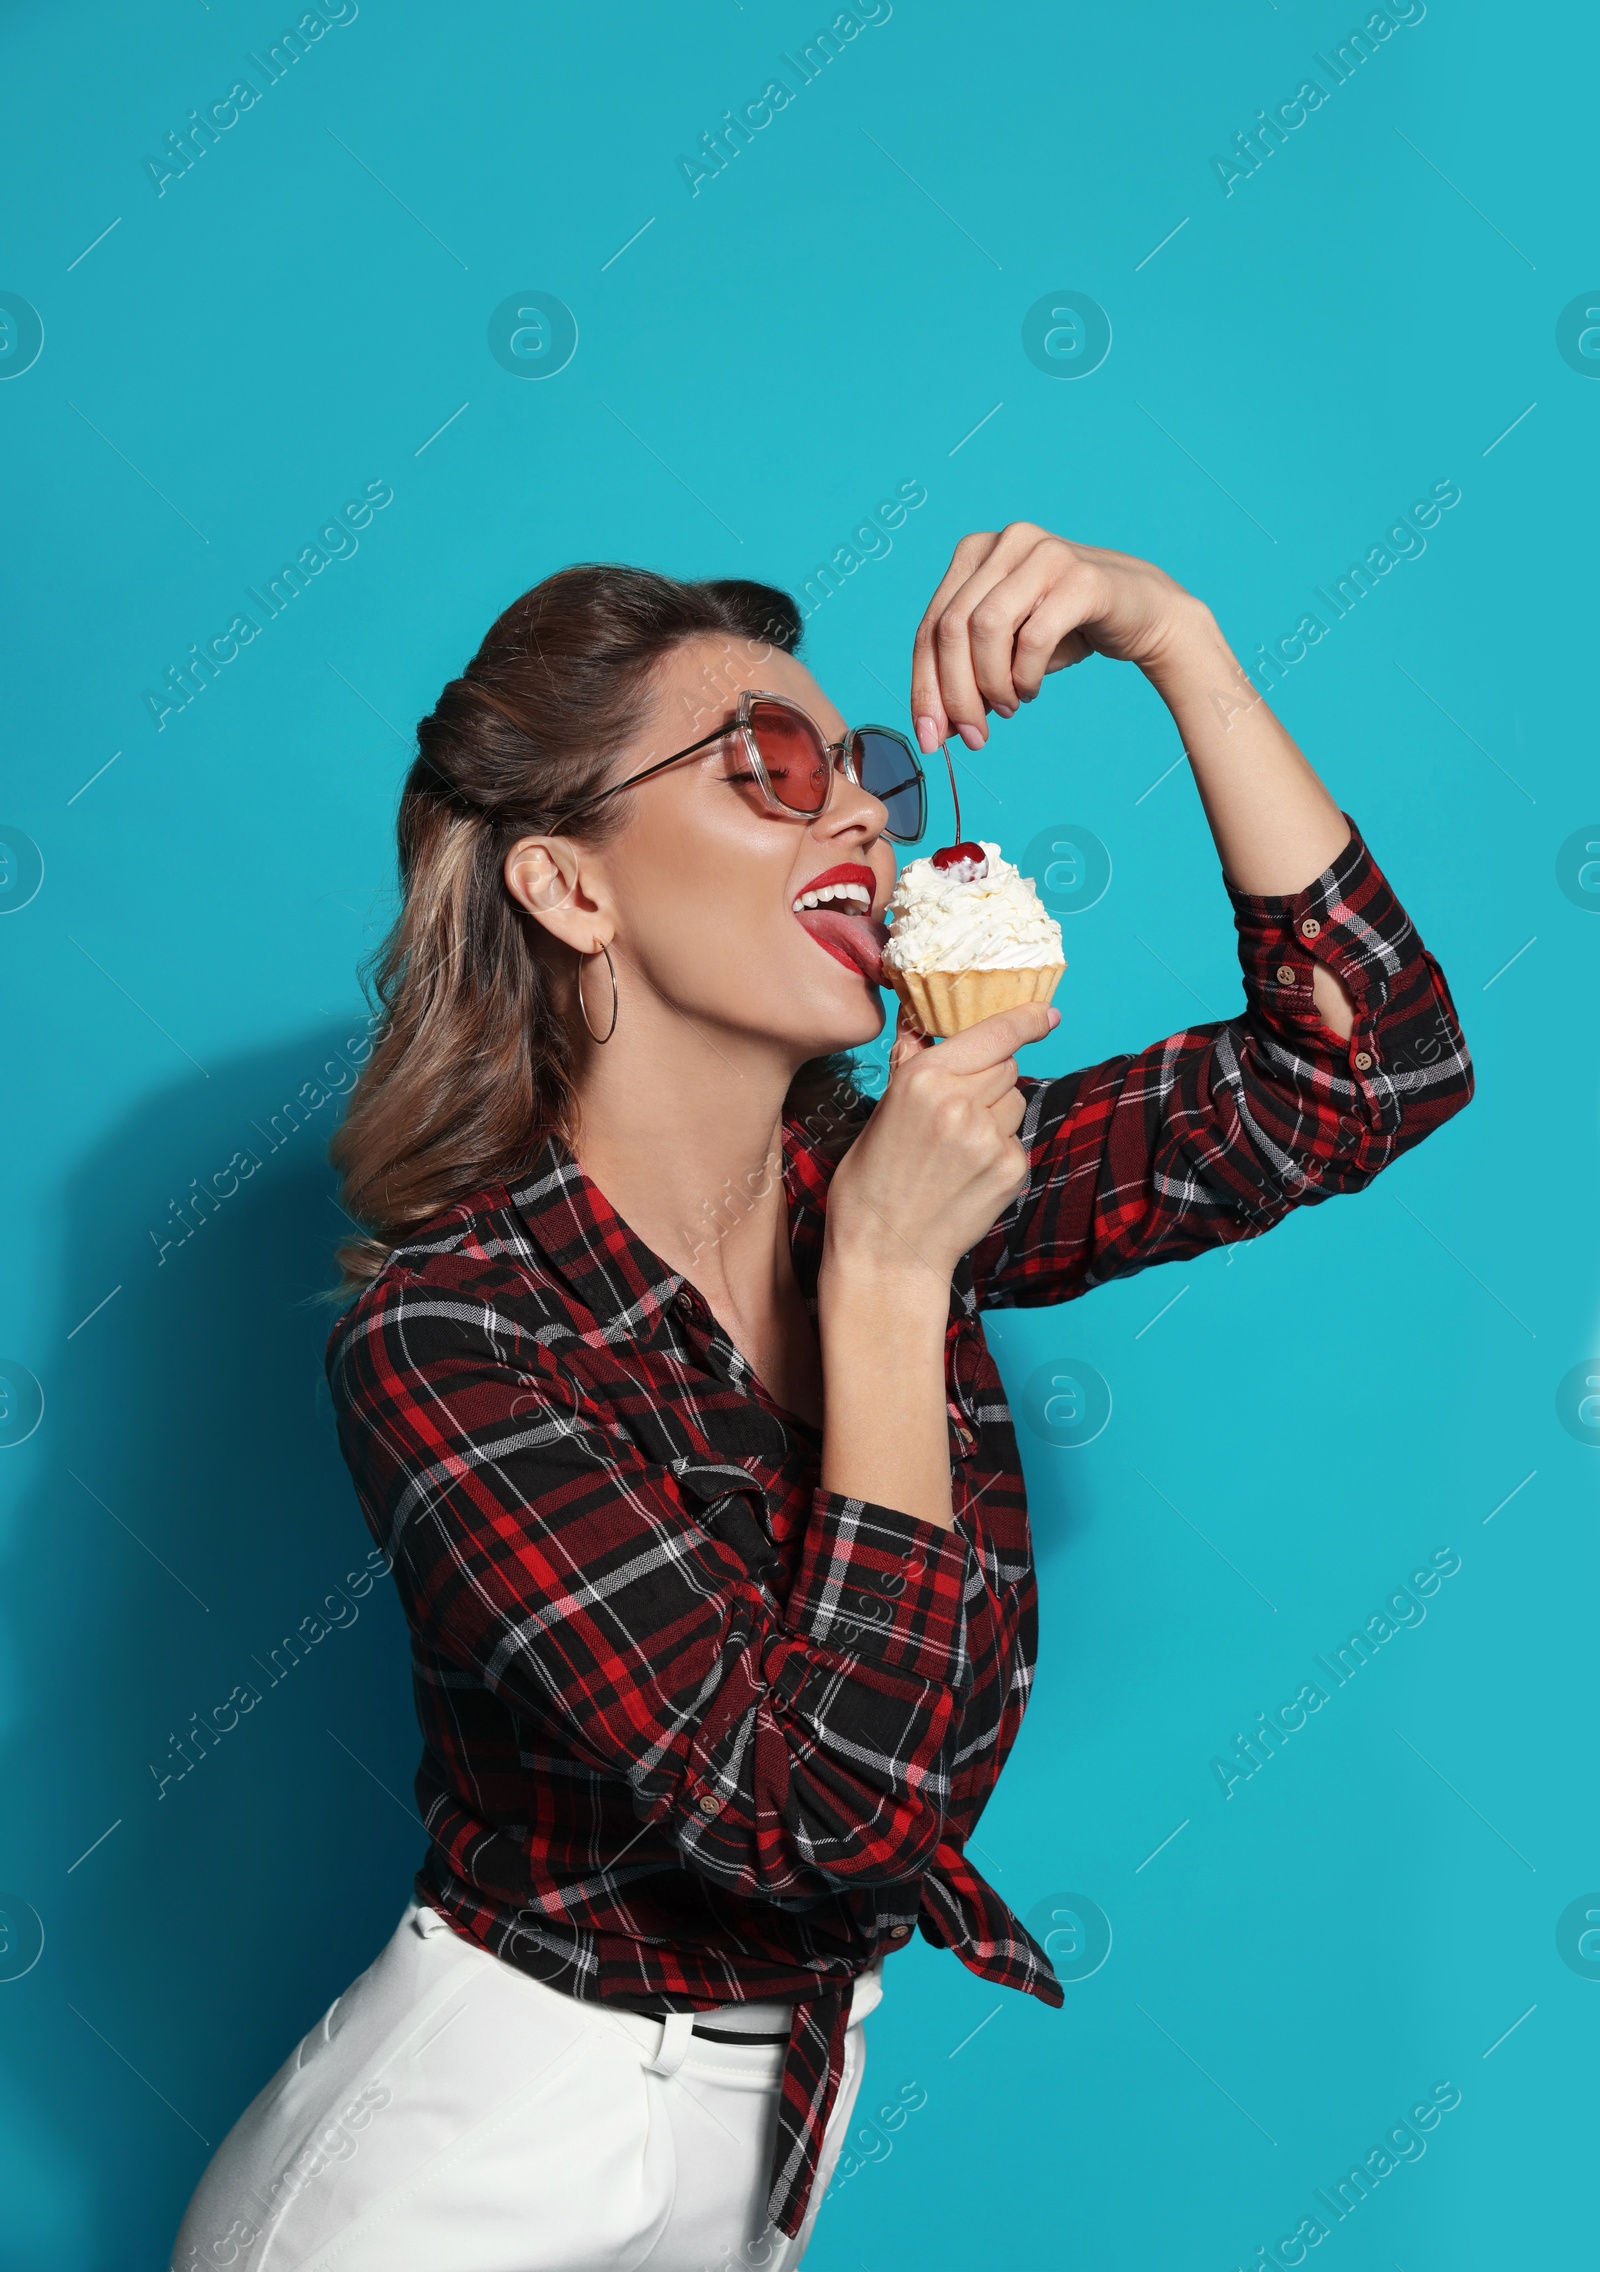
column 450, row 2114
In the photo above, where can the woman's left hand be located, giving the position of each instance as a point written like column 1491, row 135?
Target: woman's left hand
column 1014, row 606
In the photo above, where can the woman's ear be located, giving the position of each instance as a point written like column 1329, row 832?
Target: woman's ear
column 549, row 880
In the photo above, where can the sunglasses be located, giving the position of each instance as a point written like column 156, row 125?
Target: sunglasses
column 794, row 766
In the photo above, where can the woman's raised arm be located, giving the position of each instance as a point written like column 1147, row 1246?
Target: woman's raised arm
column 1348, row 1050
column 1012, row 607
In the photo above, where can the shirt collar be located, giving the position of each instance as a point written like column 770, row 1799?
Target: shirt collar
column 607, row 1269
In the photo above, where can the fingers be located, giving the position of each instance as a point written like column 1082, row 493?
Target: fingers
column 927, row 700
column 1052, row 637
column 992, row 626
column 909, row 1042
column 1006, row 1112
column 951, row 674
column 1029, row 622
column 979, row 1087
column 960, row 690
column 993, row 1039
column 994, row 1083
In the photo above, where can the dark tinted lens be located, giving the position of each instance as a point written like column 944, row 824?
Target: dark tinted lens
column 891, row 771
column 794, row 754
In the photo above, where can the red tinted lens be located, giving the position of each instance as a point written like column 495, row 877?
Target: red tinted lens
column 794, row 754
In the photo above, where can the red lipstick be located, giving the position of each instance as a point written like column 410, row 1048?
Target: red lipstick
column 845, row 928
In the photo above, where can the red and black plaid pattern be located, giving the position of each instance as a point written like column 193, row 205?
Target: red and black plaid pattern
column 696, row 1731
column 1213, row 1134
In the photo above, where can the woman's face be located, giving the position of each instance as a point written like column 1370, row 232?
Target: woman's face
column 704, row 878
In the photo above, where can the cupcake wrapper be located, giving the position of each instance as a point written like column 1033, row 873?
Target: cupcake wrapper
column 945, row 1002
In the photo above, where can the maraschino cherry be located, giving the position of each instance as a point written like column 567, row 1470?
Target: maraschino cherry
column 964, row 862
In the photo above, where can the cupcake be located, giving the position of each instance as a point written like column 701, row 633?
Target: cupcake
column 968, row 936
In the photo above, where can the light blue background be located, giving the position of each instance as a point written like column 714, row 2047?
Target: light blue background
column 1312, row 1416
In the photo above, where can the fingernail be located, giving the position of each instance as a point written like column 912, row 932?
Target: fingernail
column 927, row 736
column 973, row 736
column 1055, row 1017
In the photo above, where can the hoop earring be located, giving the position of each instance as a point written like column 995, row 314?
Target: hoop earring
column 583, row 1011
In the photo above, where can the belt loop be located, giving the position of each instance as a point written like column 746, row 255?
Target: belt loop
column 676, row 2029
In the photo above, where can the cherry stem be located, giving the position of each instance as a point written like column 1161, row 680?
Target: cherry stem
column 955, row 793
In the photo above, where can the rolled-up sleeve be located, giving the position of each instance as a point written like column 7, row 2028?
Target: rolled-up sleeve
column 787, row 1738
column 1214, row 1134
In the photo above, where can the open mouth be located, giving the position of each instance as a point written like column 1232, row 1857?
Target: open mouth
column 835, row 909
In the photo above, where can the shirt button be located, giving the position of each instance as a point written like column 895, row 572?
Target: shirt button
column 709, row 1803
column 1363, row 1060
column 898, row 1932
column 1285, row 974
column 685, row 1303
column 1309, row 927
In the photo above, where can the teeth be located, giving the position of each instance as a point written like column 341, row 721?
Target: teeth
column 844, row 894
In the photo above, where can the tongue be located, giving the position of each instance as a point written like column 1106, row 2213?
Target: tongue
column 854, row 940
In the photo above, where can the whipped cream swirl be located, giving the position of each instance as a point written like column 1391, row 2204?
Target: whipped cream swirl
column 993, row 922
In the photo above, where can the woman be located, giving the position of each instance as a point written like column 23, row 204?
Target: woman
column 664, row 1387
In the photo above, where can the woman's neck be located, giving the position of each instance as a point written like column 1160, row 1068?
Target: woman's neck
column 682, row 1132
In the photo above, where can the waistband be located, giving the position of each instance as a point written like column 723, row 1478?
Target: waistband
column 767, row 2019
column 770, row 2019
column 806, row 2064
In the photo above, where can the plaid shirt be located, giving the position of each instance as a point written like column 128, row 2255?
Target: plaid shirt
column 696, row 1730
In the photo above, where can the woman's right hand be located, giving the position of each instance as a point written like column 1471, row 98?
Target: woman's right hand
column 934, row 1167
column 939, row 1160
